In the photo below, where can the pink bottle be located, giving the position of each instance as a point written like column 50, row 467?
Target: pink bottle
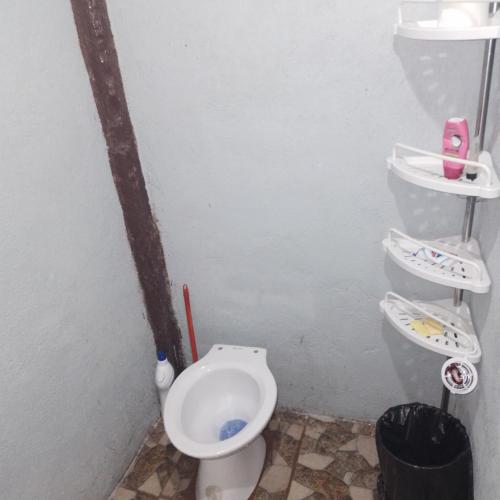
column 455, row 143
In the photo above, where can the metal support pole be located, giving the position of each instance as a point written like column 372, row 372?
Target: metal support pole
column 470, row 208
column 445, row 399
column 484, row 97
column 477, row 147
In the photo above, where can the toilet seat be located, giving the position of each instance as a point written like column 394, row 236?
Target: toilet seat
column 230, row 382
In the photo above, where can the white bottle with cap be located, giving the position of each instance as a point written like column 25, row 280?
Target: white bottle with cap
column 164, row 377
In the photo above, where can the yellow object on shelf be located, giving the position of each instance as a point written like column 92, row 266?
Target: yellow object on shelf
column 427, row 327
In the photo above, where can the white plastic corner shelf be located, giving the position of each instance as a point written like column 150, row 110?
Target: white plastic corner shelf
column 458, row 338
column 462, row 268
column 425, row 168
column 430, row 29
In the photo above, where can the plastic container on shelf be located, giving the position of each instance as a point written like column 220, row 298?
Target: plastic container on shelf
column 465, row 14
column 447, row 20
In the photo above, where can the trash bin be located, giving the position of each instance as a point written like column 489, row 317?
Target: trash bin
column 424, row 454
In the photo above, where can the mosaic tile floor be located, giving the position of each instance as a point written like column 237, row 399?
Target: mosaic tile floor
column 308, row 457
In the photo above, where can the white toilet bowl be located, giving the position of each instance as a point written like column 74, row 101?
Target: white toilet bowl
column 229, row 383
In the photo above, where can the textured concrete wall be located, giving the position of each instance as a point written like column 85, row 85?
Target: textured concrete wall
column 264, row 128
column 481, row 410
column 76, row 354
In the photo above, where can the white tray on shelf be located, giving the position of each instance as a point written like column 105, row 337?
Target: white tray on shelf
column 424, row 168
column 419, row 19
column 458, row 338
column 446, row 261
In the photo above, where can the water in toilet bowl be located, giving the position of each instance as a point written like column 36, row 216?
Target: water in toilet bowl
column 231, row 428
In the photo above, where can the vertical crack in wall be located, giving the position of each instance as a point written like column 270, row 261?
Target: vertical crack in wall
column 101, row 60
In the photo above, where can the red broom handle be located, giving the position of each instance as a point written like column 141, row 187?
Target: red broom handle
column 189, row 317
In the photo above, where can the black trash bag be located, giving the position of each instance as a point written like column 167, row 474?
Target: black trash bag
column 424, row 454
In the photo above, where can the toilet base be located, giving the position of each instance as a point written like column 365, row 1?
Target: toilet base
column 233, row 477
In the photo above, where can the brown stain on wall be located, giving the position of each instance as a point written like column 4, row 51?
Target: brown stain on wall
column 99, row 53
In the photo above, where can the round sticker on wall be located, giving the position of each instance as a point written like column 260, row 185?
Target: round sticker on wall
column 459, row 376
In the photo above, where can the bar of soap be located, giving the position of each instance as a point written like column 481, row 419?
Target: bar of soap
column 427, row 327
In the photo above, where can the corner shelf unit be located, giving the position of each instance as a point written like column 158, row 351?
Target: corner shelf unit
column 445, row 327
column 458, row 338
column 420, row 20
column 446, row 261
column 425, row 169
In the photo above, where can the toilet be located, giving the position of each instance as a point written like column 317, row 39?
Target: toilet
column 216, row 411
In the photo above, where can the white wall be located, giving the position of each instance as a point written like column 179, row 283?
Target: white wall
column 264, row 128
column 76, row 357
column 481, row 410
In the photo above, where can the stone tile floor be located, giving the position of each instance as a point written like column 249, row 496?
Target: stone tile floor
column 308, row 457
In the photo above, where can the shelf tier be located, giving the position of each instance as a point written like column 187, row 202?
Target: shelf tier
column 446, row 261
column 458, row 338
column 425, row 169
column 423, row 22
column 429, row 30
